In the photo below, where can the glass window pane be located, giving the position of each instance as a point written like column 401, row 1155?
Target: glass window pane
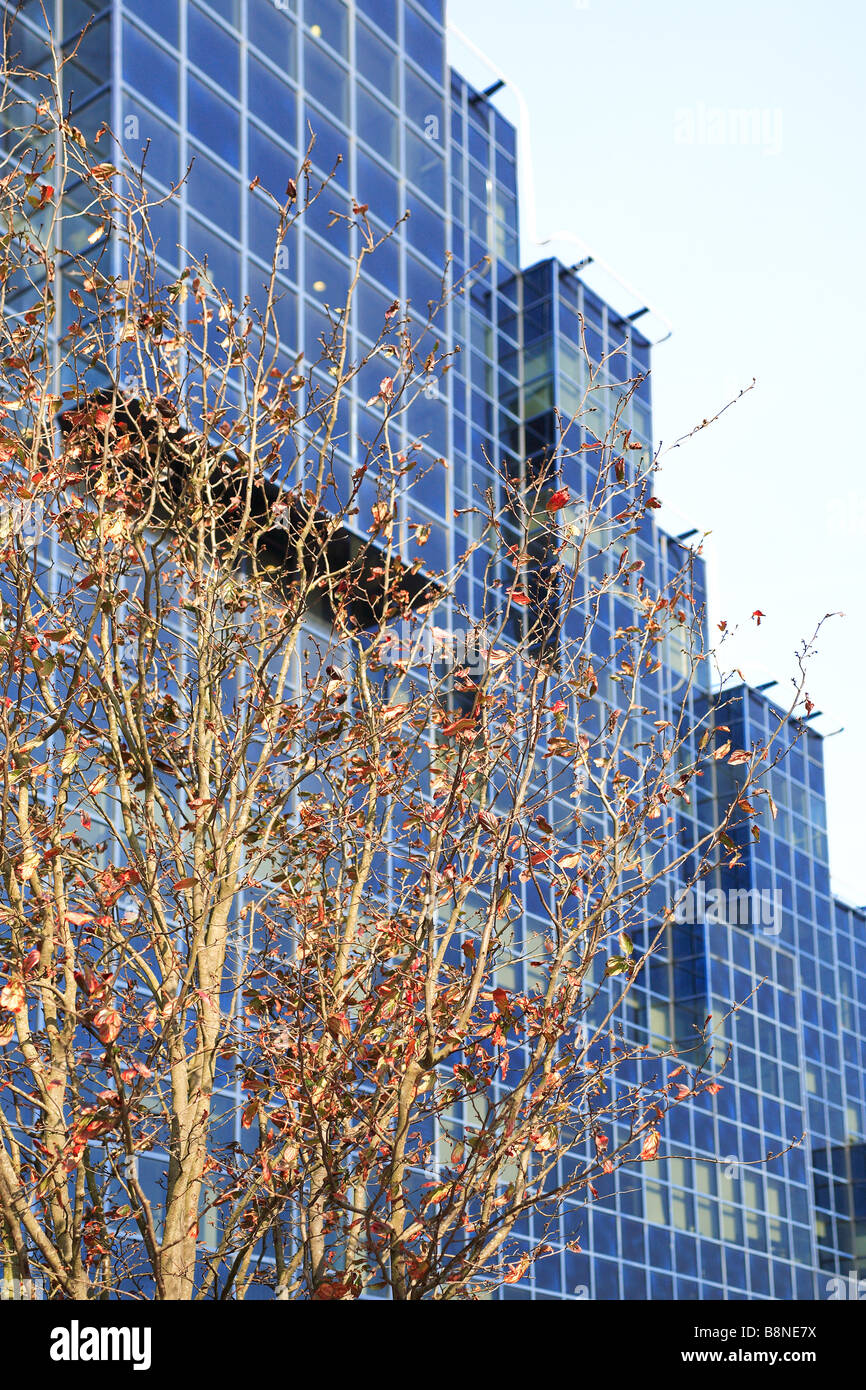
column 150, row 70
column 165, row 231
column 425, row 168
column 422, row 286
column 384, row 265
column 87, row 72
column 424, row 106
column 213, row 50
column 213, row 193
column 382, row 13
column 326, row 276
column 321, row 214
column 283, row 321
column 376, row 62
column 231, row 9
column 326, row 19
column 222, row 260
column 263, row 236
column 425, row 230
column 377, row 127
column 378, row 189
column 139, row 127
column 330, row 142
column 424, row 44
column 213, row 122
column 326, row 81
column 273, row 32
column 479, row 147
column 273, row 166
column 161, row 15
column 272, row 101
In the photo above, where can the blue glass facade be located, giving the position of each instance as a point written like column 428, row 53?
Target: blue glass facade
column 234, row 89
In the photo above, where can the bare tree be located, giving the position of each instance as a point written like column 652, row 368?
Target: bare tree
column 270, row 793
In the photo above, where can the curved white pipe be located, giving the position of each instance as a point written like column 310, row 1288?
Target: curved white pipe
column 528, row 187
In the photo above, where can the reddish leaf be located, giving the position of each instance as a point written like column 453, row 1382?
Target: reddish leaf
column 339, row 1026
column 558, row 499
column 12, row 996
column 459, row 726
column 570, row 861
column 31, row 960
column 516, row 1271
column 650, row 1145
column 107, row 1023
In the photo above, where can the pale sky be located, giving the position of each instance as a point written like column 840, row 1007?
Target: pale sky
column 748, row 235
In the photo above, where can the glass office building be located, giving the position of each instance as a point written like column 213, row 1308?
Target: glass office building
column 233, row 89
